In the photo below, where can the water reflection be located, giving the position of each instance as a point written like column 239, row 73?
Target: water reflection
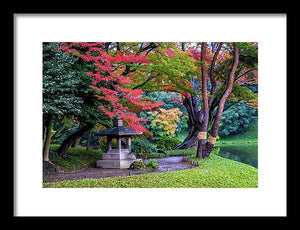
column 245, row 153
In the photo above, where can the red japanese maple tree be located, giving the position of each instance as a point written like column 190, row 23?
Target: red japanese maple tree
column 109, row 69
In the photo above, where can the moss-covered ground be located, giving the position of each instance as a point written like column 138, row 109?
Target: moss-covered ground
column 76, row 158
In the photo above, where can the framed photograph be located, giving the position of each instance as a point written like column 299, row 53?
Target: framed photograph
column 150, row 114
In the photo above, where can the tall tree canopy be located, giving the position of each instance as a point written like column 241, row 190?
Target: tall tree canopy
column 112, row 66
column 209, row 76
column 60, row 83
column 222, row 65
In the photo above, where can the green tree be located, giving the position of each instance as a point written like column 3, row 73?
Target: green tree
column 89, row 114
column 60, row 83
column 96, row 109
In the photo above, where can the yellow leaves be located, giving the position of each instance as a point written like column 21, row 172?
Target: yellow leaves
column 167, row 120
column 99, row 127
column 253, row 103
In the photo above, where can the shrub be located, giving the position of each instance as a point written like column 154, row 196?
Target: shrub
column 136, row 165
column 236, row 119
column 77, row 158
column 167, row 143
column 140, row 147
column 182, row 125
column 152, row 164
column 165, row 122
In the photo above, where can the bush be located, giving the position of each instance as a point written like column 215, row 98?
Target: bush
column 164, row 122
column 77, row 158
column 137, row 165
column 152, row 164
column 140, row 147
column 182, row 126
column 236, row 119
column 167, row 143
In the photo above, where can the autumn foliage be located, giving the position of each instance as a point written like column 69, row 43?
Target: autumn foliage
column 114, row 90
column 166, row 120
column 121, row 75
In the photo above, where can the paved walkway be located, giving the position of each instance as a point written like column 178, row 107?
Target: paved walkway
column 165, row 165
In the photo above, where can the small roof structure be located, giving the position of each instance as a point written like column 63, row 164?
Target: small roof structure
column 117, row 157
column 118, row 130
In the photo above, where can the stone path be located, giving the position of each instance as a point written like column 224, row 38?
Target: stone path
column 165, row 165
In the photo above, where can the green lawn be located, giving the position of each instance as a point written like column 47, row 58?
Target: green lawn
column 213, row 172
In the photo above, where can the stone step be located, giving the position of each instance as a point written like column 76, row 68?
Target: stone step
column 119, row 156
column 117, row 151
column 114, row 164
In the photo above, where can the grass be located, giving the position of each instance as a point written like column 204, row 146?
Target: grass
column 212, row 172
column 77, row 158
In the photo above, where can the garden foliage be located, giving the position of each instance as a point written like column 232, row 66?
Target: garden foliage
column 137, row 165
column 60, row 82
column 140, row 147
column 110, row 69
column 164, row 122
column 236, row 119
column 167, row 143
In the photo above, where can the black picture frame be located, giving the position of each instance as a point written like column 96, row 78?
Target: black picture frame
column 11, row 101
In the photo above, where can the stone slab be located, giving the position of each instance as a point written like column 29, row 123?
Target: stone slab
column 118, row 151
column 114, row 164
column 122, row 156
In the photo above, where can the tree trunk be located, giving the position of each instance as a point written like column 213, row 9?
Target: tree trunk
column 191, row 141
column 63, row 148
column 218, row 116
column 47, row 139
column 199, row 121
column 44, row 134
column 212, row 75
column 88, row 140
column 203, row 116
column 77, row 140
column 59, row 131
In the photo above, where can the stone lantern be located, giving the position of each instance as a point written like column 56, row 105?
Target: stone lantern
column 118, row 158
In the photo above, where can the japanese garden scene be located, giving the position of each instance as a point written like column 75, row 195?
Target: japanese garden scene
column 150, row 115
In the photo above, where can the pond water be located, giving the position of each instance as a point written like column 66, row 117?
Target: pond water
column 245, row 153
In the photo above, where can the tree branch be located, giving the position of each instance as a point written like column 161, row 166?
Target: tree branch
column 226, row 93
column 212, row 74
column 235, row 79
column 140, row 85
